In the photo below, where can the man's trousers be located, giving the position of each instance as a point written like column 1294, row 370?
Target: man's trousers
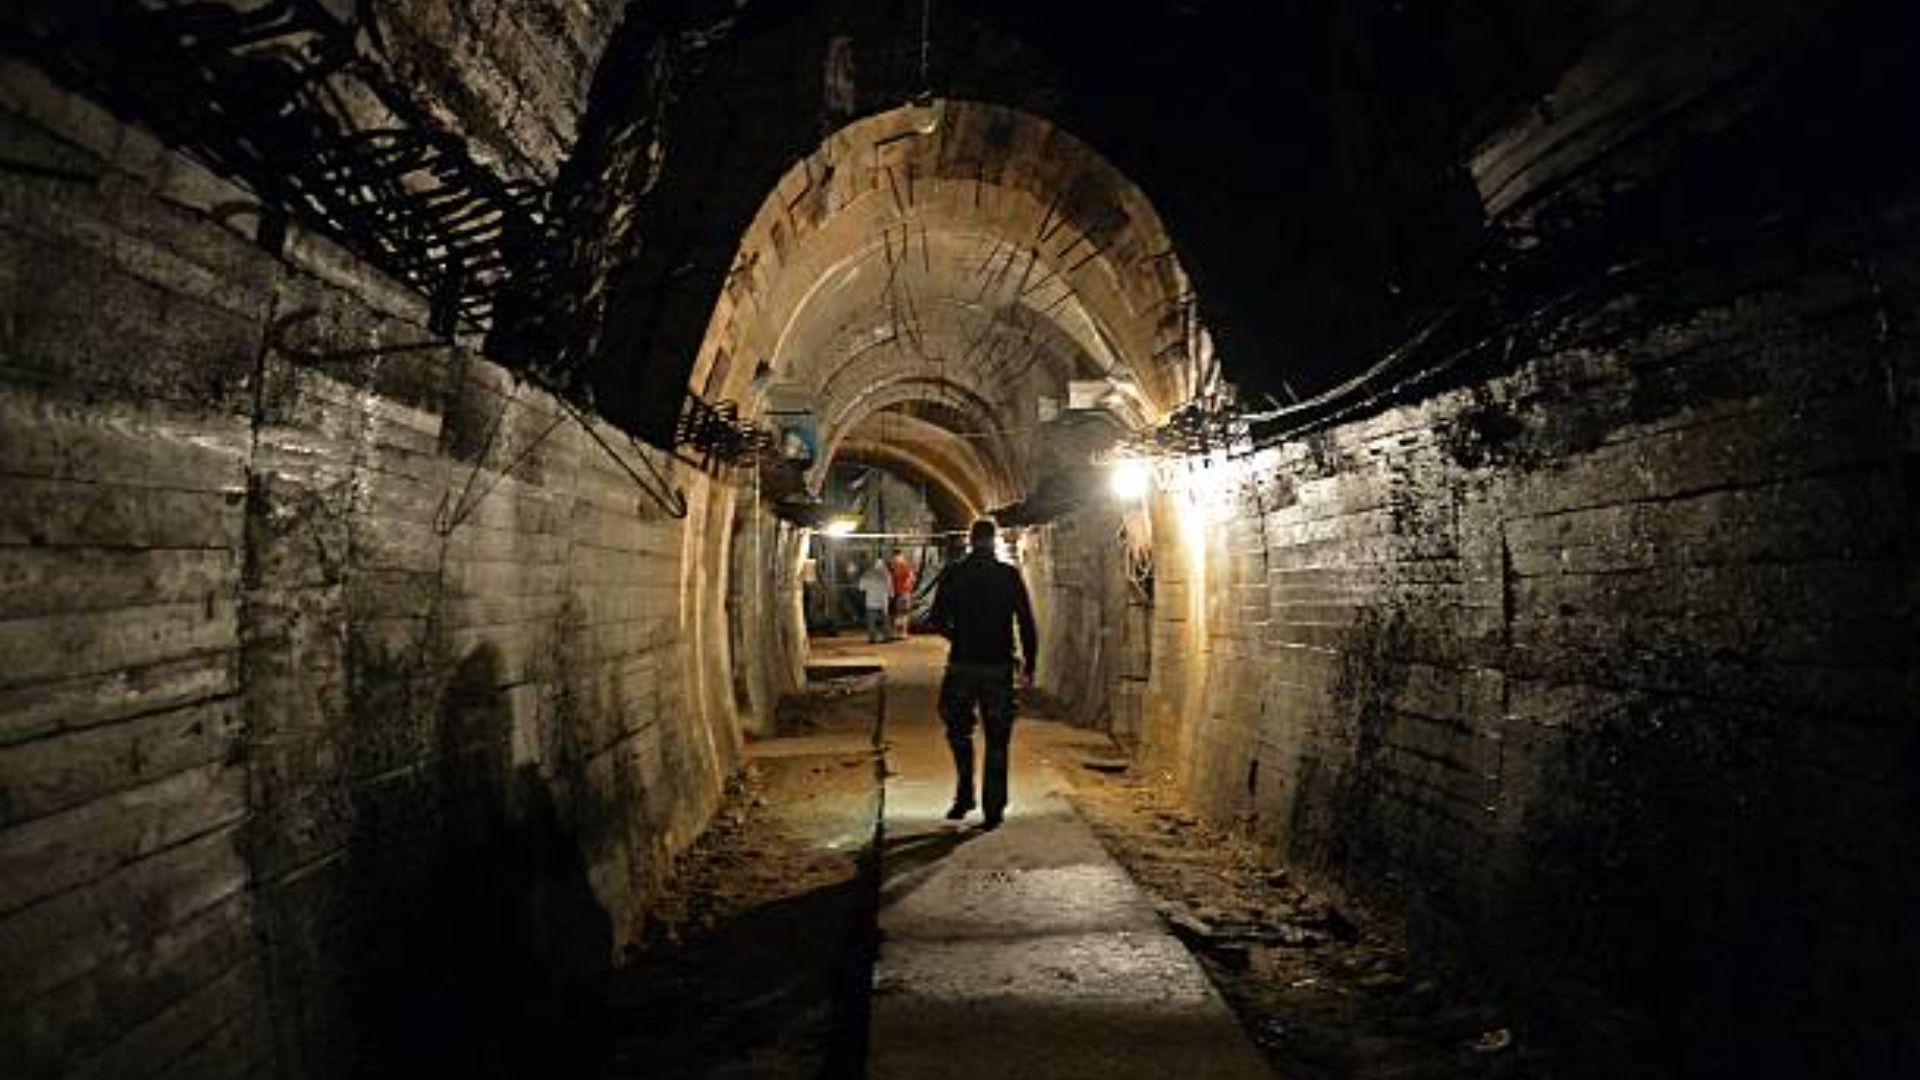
column 987, row 688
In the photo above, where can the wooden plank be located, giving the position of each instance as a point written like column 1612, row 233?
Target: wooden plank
column 241, row 1046
column 1551, row 652
column 175, row 1030
column 50, row 855
column 486, row 501
column 33, row 711
column 520, row 656
column 633, row 603
column 594, row 566
column 485, row 610
column 332, row 406
column 60, row 513
column 124, row 224
column 500, row 577
column 379, row 594
column 390, row 544
column 473, row 542
column 47, row 647
column 46, row 944
column 69, row 768
column 614, row 642
column 84, row 335
column 148, row 447
column 1841, row 615
column 384, row 497
column 94, row 1010
column 621, row 531
column 302, row 443
column 48, row 581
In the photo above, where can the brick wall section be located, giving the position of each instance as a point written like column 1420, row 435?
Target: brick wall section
column 1600, row 672
column 332, row 680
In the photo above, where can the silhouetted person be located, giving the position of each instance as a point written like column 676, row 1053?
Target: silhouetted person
column 976, row 604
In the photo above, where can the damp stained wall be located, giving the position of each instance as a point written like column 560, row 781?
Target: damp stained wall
column 1599, row 673
column 335, row 678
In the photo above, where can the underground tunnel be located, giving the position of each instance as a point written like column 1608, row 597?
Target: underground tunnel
column 480, row 482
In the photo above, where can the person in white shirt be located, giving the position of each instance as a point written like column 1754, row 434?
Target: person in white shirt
column 876, row 588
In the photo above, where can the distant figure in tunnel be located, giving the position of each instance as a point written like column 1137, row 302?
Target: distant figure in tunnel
column 976, row 604
column 903, row 582
column 876, row 592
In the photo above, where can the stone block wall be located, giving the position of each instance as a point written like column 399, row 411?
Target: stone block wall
column 1094, row 626
column 1600, row 672
column 765, row 615
column 347, row 703
column 511, row 76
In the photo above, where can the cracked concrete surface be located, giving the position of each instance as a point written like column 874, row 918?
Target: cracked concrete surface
column 1026, row 951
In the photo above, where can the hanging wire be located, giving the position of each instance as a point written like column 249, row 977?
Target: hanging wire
column 468, row 501
column 926, row 41
column 671, row 500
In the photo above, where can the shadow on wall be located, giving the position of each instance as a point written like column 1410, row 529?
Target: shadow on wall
column 476, row 941
column 1337, row 820
column 1667, row 897
column 1757, row 944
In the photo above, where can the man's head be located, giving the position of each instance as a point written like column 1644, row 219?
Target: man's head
column 897, row 553
column 980, row 537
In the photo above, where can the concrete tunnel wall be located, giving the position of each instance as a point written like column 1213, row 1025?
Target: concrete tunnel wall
column 321, row 667
column 1595, row 672
column 1599, row 674
column 1565, row 667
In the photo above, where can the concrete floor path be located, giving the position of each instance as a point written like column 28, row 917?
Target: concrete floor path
column 1024, row 952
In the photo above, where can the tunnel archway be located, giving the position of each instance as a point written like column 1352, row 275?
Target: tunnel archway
column 367, row 676
column 933, row 239
column 931, row 281
column 946, row 465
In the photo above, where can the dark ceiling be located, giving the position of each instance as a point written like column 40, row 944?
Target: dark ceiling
column 1307, row 156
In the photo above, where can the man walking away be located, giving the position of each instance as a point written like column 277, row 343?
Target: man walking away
column 976, row 604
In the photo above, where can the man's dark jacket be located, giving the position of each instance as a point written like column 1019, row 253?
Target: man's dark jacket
column 977, row 603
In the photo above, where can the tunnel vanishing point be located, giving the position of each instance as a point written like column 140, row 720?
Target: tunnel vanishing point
column 415, row 420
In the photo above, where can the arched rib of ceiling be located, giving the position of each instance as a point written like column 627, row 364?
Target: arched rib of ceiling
column 883, row 407
column 962, row 251
column 925, row 453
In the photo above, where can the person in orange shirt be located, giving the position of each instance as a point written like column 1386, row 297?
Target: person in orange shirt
column 903, row 581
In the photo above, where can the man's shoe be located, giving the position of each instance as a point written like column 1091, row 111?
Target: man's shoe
column 990, row 823
column 959, row 809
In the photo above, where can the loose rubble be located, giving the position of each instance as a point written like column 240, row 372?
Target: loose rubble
column 1324, row 991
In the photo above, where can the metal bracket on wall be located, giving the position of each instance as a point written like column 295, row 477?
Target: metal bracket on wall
column 279, row 97
column 718, row 437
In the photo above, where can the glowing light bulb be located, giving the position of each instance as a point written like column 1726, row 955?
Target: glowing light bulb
column 841, row 526
column 1130, row 479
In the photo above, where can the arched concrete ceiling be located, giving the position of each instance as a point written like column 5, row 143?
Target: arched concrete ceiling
column 898, row 412
column 961, row 254
column 1338, row 174
column 958, row 478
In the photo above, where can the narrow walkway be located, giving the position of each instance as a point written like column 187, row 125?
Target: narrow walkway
column 1027, row 951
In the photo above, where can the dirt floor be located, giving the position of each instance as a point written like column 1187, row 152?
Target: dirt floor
column 760, row 957
column 759, row 953
column 1323, row 994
